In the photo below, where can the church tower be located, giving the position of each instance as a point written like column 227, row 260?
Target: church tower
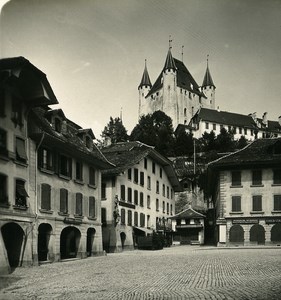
column 209, row 89
column 144, row 88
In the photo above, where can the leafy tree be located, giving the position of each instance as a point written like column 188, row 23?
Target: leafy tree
column 182, row 202
column 242, row 142
column 156, row 130
column 225, row 141
column 183, row 143
column 115, row 130
column 208, row 141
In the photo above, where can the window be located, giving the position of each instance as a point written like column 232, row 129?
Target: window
column 256, row 177
column 3, row 141
column 123, row 192
column 103, row 190
column 245, row 131
column 141, row 178
column 88, row 142
column 63, row 201
column 167, row 208
column 236, row 178
column 21, row 193
column 46, row 159
column 163, row 189
column 277, row 176
column 79, row 171
column 136, row 175
column 136, row 221
column 171, row 209
column 142, row 220
column 141, row 199
column 65, row 166
column 240, row 130
column 92, row 208
column 207, row 125
column 148, row 201
column 160, row 172
column 92, row 176
column 184, row 112
column 163, row 206
column 136, row 197
column 79, row 204
column 157, row 187
column 157, row 204
column 130, row 174
column 168, row 192
column 103, row 216
column 3, row 189
column 129, row 195
column 277, row 202
column 20, row 150
column 149, row 182
column 58, row 125
column 145, row 163
column 123, row 216
column 236, row 203
column 17, row 112
column 257, row 203
column 129, row 217
column 46, row 196
column 214, row 126
column 153, row 167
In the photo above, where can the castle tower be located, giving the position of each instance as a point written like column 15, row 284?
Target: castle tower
column 209, row 89
column 144, row 88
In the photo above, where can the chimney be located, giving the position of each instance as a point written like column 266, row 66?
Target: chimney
column 264, row 119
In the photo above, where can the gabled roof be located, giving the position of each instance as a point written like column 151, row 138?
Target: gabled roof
column 188, row 213
column 26, row 81
column 69, row 142
column 125, row 155
column 145, row 81
column 223, row 117
column 208, row 81
column 184, row 80
column 88, row 131
column 261, row 152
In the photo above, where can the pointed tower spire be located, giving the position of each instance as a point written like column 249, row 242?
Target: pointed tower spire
column 208, row 81
column 145, row 81
column 170, row 63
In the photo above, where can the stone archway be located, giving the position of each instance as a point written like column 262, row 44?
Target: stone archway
column 90, row 240
column 69, row 242
column 257, row 234
column 236, row 234
column 13, row 237
column 276, row 233
column 123, row 239
column 44, row 233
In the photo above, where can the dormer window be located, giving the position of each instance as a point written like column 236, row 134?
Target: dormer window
column 57, row 124
column 17, row 112
column 88, row 141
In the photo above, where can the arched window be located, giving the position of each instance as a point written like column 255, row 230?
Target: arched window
column 257, row 234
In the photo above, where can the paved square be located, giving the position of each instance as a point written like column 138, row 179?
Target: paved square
column 182, row 272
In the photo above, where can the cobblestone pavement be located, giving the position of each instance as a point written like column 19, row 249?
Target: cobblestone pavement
column 182, row 272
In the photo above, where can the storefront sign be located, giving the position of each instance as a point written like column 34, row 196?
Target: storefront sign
column 245, row 221
column 72, row 221
column 272, row 221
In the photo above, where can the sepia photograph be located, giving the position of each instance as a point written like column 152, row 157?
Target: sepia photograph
column 140, row 149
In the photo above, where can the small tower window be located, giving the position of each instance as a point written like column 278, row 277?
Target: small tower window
column 184, row 112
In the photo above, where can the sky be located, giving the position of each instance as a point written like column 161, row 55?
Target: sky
column 93, row 51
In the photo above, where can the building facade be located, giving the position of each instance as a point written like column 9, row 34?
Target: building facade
column 138, row 194
column 175, row 92
column 246, row 191
column 50, row 175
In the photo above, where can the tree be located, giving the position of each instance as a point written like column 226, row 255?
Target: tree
column 184, row 143
column 115, row 130
column 182, row 202
column 208, row 141
column 155, row 130
column 242, row 142
column 225, row 141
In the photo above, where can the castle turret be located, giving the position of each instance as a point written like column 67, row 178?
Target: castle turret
column 208, row 88
column 144, row 88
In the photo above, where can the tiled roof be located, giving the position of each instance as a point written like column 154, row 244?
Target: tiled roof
column 125, row 155
column 208, row 81
column 69, row 141
column 188, row 213
column 26, row 81
column 223, row 117
column 259, row 152
column 184, row 80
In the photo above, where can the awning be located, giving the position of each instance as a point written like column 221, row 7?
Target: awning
column 143, row 229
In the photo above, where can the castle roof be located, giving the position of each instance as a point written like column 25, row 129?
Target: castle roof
column 125, row 155
column 170, row 63
column 208, row 81
column 145, row 81
column 184, row 79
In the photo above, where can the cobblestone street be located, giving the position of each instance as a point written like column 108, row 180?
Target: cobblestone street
column 182, row 272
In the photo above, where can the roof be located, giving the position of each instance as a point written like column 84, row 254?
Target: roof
column 169, row 63
column 188, row 213
column 125, row 155
column 184, row 79
column 208, row 81
column 223, row 117
column 261, row 152
column 68, row 141
column 27, row 82
column 145, row 81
